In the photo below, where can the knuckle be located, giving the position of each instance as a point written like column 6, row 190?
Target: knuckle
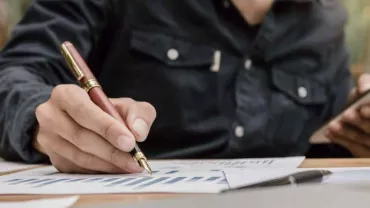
column 114, row 156
column 58, row 92
column 76, row 136
column 43, row 141
column 128, row 100
column 107, row 130
column 149, row 108
column 79, row 109
column 59, row 164
column 82, row 160
column 120, row 102
column 124, row 103
column 43, row 114
column 62, row 94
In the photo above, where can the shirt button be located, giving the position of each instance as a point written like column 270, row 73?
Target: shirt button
column 302, row 92
column 172, row 54
column 248, row 64
column 239, row 131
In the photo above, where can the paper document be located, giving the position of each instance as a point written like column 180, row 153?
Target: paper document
column 12, row 166
column 190, row 176
column 244, row 177
column 288, row 162
column 42, row 203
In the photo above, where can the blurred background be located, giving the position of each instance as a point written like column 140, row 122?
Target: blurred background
column 357, row 29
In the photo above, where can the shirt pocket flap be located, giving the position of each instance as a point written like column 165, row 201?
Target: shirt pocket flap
column 303, row 90
column 170, row 50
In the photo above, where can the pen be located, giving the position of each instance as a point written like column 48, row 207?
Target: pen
column 292, row 179
column 88, row 81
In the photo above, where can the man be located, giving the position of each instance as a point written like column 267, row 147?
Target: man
column 194, row 79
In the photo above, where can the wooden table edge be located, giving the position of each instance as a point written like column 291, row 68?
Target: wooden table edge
column 88, row 199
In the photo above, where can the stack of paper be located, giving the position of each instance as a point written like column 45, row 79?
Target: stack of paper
column 6, row 167
column 191, row 176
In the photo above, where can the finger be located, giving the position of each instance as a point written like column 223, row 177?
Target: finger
column 78, row 105
column 356, row 149
column 337, row 129
column 81, row 159
column 363, row 83
column 353, row 118
column 365, row 112
column 349, row 133
column 65, row 166
column 139, row 116
column 92, row 143
column 59, row 162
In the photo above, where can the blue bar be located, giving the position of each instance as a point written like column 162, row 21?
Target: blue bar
column 40, row 181
column 119, row 182
column 212, row 178
column 175, row 180
column 138, row 181
column 155, row 171
column 172, row 171
column 75, row 180
column 195, row 179
column 24, row 181
column 109, row 180
column 12, row 180
column 152, row 182
column 92, row 180
column 51, row 182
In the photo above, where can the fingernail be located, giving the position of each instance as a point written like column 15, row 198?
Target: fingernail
column 132, row 165
column 141, row 128
column 126, row 143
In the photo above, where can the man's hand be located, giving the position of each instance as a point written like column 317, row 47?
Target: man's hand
column 352, row 130
column 79, row 137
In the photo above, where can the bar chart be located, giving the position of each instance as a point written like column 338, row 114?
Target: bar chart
column 161, row 181
column 175, row 176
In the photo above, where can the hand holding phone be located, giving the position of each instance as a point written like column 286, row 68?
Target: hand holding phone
column 319, row 137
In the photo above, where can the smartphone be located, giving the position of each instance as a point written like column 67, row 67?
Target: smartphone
column 319, row 136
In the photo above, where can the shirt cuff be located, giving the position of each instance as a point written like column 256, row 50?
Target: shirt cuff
column 25, row 122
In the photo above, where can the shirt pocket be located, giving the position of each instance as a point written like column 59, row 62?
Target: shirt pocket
column 171, row 51
column 175, row 75
column 297, row 106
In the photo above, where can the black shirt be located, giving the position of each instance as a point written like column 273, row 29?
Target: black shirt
column 221, row 88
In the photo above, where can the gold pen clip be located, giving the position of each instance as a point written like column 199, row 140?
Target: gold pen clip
column 71, row 62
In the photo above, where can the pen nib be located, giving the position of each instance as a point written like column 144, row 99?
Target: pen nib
column 143, row 163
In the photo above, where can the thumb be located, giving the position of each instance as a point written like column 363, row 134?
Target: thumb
column 139, row 116
column 363, row 83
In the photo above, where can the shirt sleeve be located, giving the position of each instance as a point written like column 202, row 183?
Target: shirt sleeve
column 31, row 65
